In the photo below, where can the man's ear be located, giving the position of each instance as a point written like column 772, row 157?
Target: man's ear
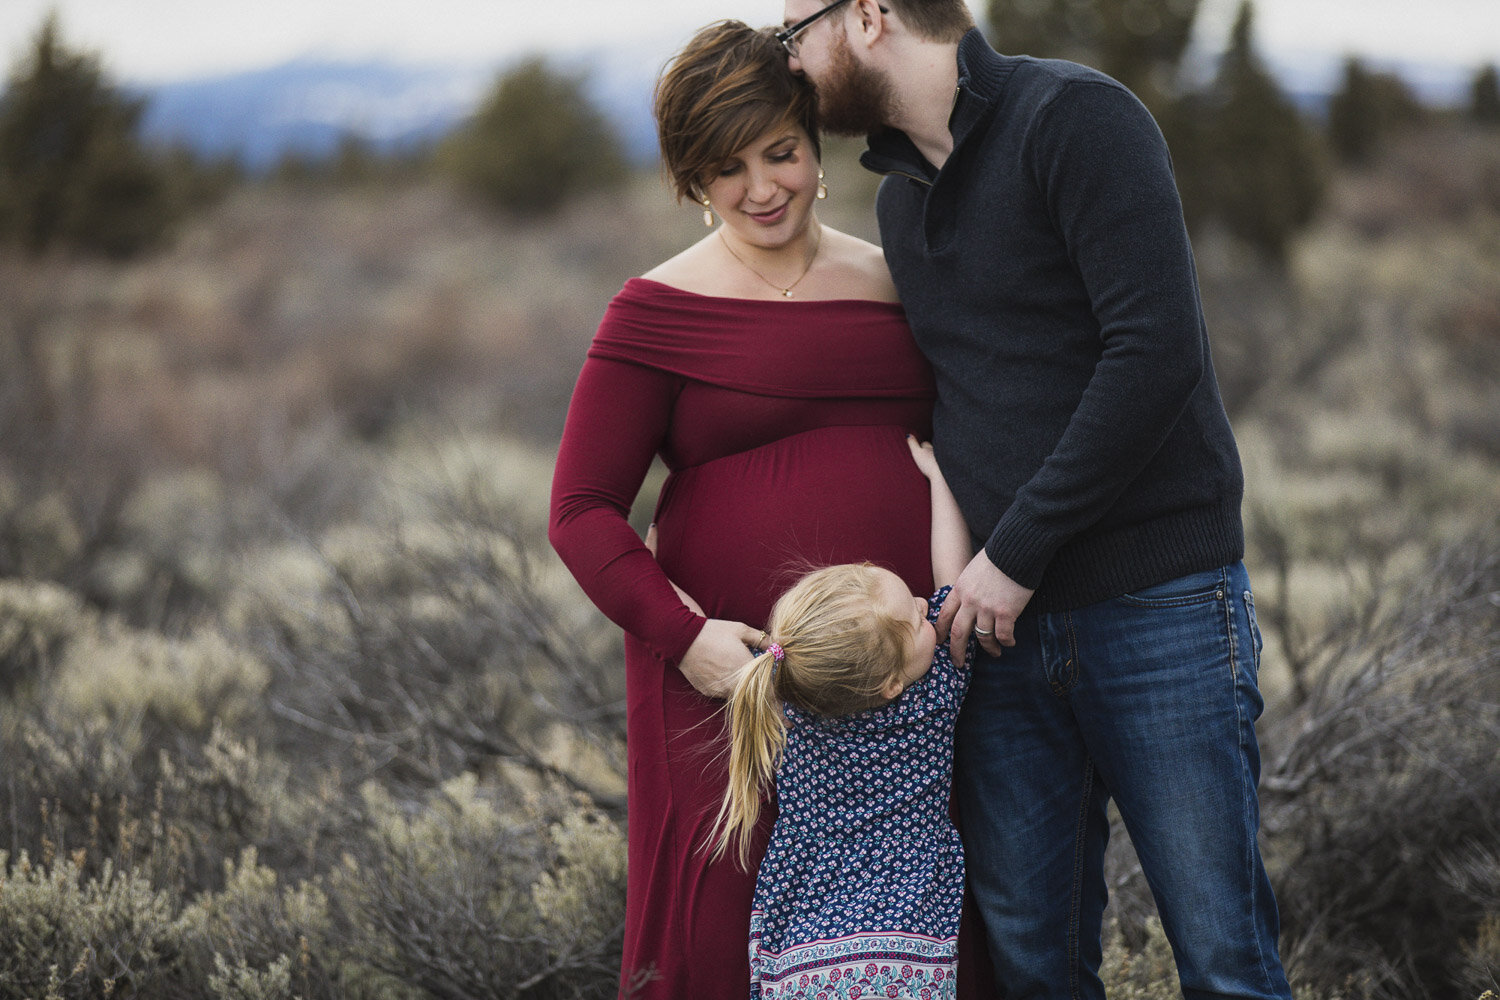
column 872, row 23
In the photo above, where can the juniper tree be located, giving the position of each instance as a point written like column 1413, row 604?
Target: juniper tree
column 1138, row 42
column 1484, row 96
column 1262, row 169
column 72, row 169
column 535, row 142
column 1367, row 109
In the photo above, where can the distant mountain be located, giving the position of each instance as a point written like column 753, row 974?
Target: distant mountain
column 308, row 107
column 1310, row 79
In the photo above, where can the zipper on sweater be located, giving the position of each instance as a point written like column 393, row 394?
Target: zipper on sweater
column 913, row 177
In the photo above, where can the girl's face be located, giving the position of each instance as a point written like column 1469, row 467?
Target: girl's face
column 900, row 603
column 766, row 191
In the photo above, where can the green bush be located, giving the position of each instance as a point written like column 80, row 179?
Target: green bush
column 1138, row 42
column 1244, row 159
column 535, row 142
column 1367, row 110
column 1253, row 166
column 71, row 168
column 1484, row 96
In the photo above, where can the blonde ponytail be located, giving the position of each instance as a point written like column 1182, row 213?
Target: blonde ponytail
column 839, row 651
column 757, row 732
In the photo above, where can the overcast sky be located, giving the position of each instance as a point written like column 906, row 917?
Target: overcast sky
column 148, row 41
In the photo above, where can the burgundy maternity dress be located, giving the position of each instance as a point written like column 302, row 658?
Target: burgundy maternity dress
column 783, row 427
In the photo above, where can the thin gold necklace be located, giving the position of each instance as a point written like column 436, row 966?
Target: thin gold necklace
column 786, row 291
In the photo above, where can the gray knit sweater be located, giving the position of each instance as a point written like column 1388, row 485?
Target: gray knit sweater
column 1047, row 275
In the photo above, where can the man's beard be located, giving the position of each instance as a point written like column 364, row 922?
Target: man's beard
column 854, row 99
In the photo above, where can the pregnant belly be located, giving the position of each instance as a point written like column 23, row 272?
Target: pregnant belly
column 737, row 531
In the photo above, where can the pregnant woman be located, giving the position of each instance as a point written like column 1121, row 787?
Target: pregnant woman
column 771, row 368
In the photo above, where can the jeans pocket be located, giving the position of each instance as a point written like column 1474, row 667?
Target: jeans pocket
column 1256, row 643
column 1184, row 591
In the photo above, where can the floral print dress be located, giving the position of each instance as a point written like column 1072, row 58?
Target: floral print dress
column 860, row 890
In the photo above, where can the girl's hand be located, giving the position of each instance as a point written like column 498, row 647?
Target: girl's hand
column 951, row 546
column 921, row 453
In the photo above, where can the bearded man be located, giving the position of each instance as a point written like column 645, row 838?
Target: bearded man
column 1032, row 225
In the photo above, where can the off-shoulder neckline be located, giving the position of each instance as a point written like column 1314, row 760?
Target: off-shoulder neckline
column 778, row 303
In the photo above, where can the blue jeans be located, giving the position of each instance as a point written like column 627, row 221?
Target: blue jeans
column 1151, row 699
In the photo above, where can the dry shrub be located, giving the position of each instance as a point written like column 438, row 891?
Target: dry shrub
column 1143, row 970
column 1381, row 784
column 93, row 792
column 155, row 889
column 461, row 899
column 175, row 546
column 162, row 684
column 457, row 899
column 244, row 982
column 39, row 537
column 1251, row 318
column 38, row 621
column 1429, row 177
column 1481, row 957
column 73, row 936
column 432, row 647
column 580, row 901
column 259, row 938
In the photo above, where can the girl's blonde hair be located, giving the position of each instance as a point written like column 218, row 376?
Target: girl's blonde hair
column 840, row 650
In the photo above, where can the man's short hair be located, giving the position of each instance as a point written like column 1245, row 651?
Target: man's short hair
column 934, row 20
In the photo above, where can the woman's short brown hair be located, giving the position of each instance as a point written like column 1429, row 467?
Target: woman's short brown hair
column 727, row 87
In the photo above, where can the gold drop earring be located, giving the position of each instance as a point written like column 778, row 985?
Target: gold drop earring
column 822, row 188
column 708, row 213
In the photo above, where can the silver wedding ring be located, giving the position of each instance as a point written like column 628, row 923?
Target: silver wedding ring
column 984, row 631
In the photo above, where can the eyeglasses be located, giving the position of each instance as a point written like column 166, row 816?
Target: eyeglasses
column 788, row 36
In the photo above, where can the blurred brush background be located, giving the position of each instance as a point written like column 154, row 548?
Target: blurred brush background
column 296, row 701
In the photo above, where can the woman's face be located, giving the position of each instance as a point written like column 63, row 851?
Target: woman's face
column 765, row 192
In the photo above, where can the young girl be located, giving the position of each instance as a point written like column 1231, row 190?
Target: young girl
column 850, row 711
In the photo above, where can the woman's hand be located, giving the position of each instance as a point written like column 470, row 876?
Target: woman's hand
column 682, row 595
column 713, row 662
column 716, row 658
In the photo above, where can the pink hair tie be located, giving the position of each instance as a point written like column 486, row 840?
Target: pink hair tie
column 777, row 653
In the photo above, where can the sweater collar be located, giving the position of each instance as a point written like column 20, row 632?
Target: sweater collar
column 981, row 78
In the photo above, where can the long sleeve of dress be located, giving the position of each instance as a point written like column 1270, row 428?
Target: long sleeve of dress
column 617, row 421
